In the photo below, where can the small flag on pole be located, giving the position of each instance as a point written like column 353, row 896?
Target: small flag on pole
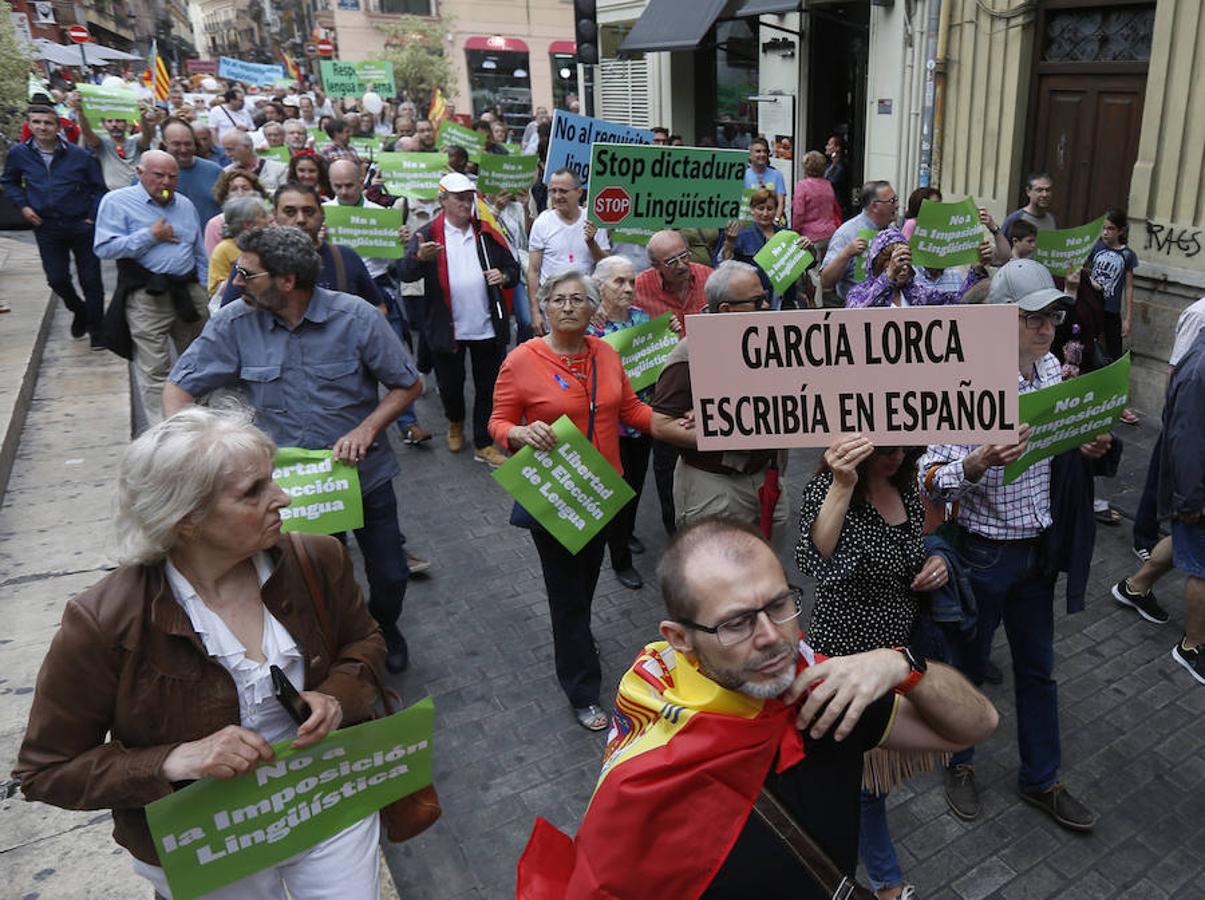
column 438, row 106
column 156, row 76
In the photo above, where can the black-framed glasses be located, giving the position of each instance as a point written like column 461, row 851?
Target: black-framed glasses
column 782, row 608
column 762, row 299
column 1034, row 321
column 890, row 201
column 248, row 276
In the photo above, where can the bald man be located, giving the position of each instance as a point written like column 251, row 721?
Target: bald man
column 153, row 234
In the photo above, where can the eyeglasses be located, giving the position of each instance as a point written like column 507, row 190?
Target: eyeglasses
column 890, row 201
column 780, row 610
column 1034, row 321
column 676, row 259
column 248, row 276
column 761, row 300
column 562, row 302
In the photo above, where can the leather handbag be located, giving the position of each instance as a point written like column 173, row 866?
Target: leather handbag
column 407, row 816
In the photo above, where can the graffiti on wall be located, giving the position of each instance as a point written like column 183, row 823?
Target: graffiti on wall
column 1172, row 241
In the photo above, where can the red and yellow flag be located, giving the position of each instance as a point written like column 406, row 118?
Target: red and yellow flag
column 684, row 762
column 438, row 106
column 291, row 67
column 156, row 76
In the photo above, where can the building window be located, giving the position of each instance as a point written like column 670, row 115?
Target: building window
column 406, row 7
column 736, row 78
column 501, row 80
column 1109, row 34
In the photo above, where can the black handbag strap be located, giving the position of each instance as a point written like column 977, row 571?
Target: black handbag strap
column 593, row 399
column 822, row 869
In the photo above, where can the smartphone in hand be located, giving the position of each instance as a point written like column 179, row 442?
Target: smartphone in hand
column 288, row 697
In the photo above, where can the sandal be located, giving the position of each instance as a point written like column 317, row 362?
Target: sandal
column 1108, row 516
column 591, row 718
column 1129, row 417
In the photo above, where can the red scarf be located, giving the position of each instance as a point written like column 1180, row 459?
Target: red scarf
column 441, row 260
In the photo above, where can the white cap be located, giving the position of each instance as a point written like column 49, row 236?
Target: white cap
column 455, row 183
column 1026, row 283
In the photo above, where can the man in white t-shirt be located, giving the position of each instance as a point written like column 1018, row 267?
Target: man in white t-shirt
column 231, row 114
column 561, row 238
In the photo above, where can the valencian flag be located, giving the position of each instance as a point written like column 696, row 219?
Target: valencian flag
column 439, row 106
column 156, row 76
column 684, row 763
column 291, row 68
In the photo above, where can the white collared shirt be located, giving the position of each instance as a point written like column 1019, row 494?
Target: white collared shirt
column 259, row 710
column 470, row 300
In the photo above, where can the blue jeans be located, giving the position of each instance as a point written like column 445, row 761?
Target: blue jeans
column 874, row 844
column 401, row 327
column 57, row 241
column 522, row 314
column 1146, row 518
column 1010, row 587
column 383, row 547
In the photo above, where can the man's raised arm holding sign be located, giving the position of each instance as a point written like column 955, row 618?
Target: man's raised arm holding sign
column 1002, row 525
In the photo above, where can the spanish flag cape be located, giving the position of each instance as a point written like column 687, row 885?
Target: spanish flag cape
column 684, row 762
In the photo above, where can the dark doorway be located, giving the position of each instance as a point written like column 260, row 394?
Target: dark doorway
column 1087, row 103
column 838, row 35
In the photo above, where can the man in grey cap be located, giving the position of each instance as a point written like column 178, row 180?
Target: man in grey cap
column 1002, row 526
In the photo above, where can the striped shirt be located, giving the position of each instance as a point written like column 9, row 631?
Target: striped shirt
column 988, row 507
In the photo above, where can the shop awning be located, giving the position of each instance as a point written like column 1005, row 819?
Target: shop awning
column 495, row 43
column 672, row 25
column 565, row 48
column 767, row 7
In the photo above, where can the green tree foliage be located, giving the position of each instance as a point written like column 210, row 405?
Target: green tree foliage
column 415, row 46
column 15, row 66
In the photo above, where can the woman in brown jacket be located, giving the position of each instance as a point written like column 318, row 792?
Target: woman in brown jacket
column 159, row 674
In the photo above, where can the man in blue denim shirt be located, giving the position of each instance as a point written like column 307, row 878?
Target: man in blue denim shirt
column 57, row 187
column 311, row 362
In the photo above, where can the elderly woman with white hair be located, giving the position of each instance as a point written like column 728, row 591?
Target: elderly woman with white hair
column 568, row 372
column 616, row 280
column 160, row 672
column 239, row 214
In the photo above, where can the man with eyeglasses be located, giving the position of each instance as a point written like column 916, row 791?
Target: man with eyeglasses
column 879, row 205
column 1002, row 527
column 561, row 238
column 733, row 712
column 673, row 284
column 311, row 362
column 711, row 482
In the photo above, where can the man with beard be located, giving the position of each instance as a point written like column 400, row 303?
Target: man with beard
column 732, row 706
column 273, row 347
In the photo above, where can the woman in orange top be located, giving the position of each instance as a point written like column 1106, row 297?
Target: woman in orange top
column 567, row 372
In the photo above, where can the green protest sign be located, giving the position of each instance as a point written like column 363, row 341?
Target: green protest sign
column 1060, row 249
column 453, row 134
column 326, row 494
column 100, row 103
column 572, row 491
column 783, row 260
column 644, row 349
column 280, row 153
column 414, row 175
column 947, row 234
column 367, row 147
column 514, row 149
column 497, row 173
column 1071, row 413
column 746, row 213
column 354, row 79
column 321, row 139
column 860, row 261
column 370, row 232
column 216, row 831
column 636, row 187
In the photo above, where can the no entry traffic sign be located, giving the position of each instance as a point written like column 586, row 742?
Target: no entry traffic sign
column 79, row 34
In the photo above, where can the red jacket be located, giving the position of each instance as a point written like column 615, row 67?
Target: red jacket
column 535, row 386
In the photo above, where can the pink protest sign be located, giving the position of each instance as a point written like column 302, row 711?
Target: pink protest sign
column 920, row 375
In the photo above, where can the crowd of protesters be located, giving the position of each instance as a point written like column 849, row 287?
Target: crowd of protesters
column 227, row 280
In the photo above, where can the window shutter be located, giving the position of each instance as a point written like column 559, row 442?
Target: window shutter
column 625, row 91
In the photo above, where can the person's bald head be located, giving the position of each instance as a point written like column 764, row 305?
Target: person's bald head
column 345, row 182
column 669, row 255
column 158, row 174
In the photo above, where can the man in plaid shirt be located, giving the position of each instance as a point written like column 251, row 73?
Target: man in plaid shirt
column 1001, row 532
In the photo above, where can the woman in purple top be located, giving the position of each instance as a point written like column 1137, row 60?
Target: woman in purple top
column 891, row 280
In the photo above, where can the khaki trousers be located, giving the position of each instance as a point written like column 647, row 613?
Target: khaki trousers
column 154, row 328
column 698, row 494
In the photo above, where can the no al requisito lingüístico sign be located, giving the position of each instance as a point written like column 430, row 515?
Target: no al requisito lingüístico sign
column 572, row 491
column 325, row 493
column 216, row 831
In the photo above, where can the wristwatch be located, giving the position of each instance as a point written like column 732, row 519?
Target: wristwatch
column 919, row 667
